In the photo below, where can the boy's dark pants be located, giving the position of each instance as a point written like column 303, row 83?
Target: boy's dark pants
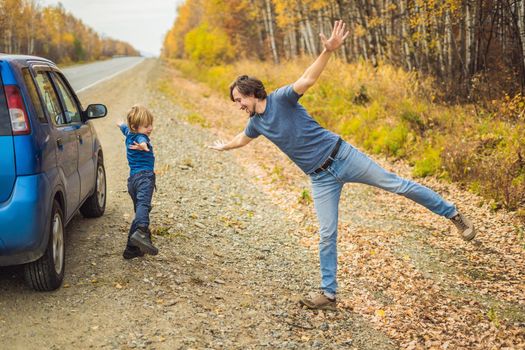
column 140, row 188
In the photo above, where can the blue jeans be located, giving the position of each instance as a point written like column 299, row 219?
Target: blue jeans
column 140, row 188
column 351, row 165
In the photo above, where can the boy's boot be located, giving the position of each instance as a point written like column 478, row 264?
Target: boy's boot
column 142, row 239
column 464, row 226
column 132, row 252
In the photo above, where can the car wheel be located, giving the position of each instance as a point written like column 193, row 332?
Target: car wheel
column 47, row 273
column 95, row 205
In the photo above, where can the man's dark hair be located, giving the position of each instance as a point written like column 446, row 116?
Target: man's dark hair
column 248, row 86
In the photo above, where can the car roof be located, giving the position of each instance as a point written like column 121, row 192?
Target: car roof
column 24, row 59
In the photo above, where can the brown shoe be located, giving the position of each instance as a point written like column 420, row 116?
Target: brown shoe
column 319, row 302
column 464, row 226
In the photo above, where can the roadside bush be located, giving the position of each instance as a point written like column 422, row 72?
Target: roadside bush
column 459, row 157
column 414, row 117
column 492, row 163
column 429, row 163
column 387, row 110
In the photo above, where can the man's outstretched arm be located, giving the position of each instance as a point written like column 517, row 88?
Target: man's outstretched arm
column 313, row 72
column 238, row 141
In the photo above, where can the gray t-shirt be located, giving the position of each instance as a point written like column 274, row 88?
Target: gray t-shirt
column 289, row 126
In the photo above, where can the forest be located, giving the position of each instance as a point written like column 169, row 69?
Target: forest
column 52, row 32
column 438, row 83
column 475, row 47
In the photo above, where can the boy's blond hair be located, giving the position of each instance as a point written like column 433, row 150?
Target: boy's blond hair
column 139, row 115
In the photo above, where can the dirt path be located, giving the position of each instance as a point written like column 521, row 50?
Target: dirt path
column 230, row 268
column 402, row 269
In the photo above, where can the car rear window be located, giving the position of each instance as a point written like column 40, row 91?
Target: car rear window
column 33, row 94
column 5, row 122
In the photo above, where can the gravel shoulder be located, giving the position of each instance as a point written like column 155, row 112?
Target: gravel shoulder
column 231, row 264
column 401, row 268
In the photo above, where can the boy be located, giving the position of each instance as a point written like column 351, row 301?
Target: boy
column 141, row 181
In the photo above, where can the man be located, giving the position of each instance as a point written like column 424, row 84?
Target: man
column 325, row 157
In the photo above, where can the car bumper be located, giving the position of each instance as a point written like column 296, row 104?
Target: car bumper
column 24, row 221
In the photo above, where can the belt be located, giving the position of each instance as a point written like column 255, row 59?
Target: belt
column 330, row 159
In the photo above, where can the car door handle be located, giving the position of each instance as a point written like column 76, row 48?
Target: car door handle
column 60, row 144
column 80, row 140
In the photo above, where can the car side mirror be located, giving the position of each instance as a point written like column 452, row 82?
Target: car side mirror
column 96, row 111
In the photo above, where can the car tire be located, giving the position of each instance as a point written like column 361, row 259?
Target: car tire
column 95, row 205
column 47, row 273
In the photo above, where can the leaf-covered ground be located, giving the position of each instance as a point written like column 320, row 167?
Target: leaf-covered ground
column 402, row 268
column 230, row 267
column 238, row 246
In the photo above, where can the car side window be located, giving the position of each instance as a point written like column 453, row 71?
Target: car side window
column 33, row 95
column 50, row 98
column 72, row 113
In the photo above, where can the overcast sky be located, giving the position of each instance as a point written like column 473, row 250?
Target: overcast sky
column 143, row 24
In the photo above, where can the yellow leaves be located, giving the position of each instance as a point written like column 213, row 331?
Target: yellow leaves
column 188, row 18
column 68, row 38
column 208, row 45
column 54, row 33
column 392, row 7
column 510, row 108
column 454, row 5
column 359, row 31
column 374, row 22
column 317, row 5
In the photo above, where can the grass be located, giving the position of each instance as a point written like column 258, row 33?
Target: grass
column 305, row 197
column 386, row 110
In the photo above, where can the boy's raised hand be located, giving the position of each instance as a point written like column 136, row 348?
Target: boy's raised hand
column 337, row 38
column 143, row 146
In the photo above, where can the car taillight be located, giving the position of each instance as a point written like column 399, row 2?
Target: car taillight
column 17, row 111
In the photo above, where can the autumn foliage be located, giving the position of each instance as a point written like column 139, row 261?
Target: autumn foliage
column 438, row 83
column 51, row 32
column 475, row 49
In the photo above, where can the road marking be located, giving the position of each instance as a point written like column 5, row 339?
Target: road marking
column 110, row 77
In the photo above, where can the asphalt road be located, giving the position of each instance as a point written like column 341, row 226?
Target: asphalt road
column 85, row 76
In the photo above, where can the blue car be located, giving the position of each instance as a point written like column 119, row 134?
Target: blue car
column 51, row 166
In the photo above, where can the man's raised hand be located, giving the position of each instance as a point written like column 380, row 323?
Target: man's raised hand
column 218, row 145
column 337, row 38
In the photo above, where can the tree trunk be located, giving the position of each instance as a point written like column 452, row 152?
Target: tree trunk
column 309, row 32
column 404, row 34
column 271, row 32
column 293, row 43
column 468, row 39
column 338, row 8
column 367, row 38
column 520, row 10
column 448, row 44
column 439, row 34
